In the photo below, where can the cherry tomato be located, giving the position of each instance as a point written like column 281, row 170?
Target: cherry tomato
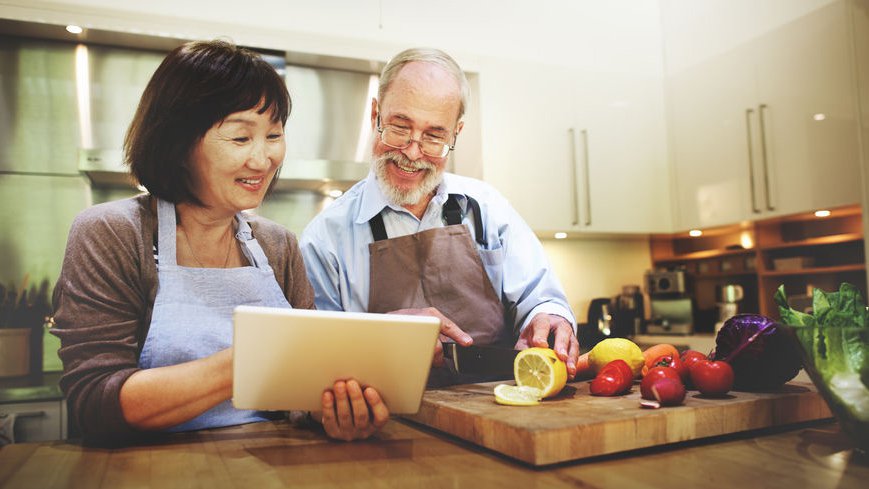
column 615, row 378
column 712, row 378
column 652, row 376
column 668, row 391
column 673, row 362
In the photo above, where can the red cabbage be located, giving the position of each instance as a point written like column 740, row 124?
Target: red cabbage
column 761, row 354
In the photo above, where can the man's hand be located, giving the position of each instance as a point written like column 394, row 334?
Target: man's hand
column 449, row 331
column 566, row 346
column 349, row 413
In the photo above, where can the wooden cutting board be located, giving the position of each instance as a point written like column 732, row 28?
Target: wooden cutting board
column 576, row 425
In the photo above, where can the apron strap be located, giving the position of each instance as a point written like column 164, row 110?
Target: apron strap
column 378, row 229
column 166, row 232
column 451, row 213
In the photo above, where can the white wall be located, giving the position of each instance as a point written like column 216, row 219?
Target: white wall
column 597, row 267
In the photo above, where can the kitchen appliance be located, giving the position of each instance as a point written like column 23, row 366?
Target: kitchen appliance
column 728, row 296
column 600, row 319
column 629, row 312
column 671, row 309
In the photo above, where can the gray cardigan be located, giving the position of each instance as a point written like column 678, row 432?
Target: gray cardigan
column 104, row 297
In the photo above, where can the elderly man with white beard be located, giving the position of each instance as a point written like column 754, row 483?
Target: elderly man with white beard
column 414, row 239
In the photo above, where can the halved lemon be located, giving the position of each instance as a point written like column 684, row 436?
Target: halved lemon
column 540, row 368
column 515, row 395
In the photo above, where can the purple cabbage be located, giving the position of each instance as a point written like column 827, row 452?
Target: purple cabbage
column 760, row 352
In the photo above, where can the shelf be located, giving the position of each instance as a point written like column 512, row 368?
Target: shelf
column 822, row 240
column 856, row 267
column 705, row 254
column 713, row 275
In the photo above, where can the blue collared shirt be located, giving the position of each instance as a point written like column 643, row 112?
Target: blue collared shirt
column 335, row 249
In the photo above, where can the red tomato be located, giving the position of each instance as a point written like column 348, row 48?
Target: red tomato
column 668, row 391
column 673, row 362
column 690, row 357
column 615, row 378
column 712, row 378
column 652, row 376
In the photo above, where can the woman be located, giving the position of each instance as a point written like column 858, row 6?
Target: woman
column 145, row 297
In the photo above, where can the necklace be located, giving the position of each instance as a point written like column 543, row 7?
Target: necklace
column 190, row 248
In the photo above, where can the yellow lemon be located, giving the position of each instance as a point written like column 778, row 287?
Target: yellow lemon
column 617, row 349
column 515, row 395
column 540, row 368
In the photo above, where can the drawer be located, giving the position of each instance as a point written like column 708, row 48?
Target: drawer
column 33, row 421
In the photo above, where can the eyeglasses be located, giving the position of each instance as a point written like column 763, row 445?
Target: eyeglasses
column 399, row 138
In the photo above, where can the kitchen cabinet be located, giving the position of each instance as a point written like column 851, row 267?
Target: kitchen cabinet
column 33, row 421
column 576, row 151
column 763, row 126
column 800, row 251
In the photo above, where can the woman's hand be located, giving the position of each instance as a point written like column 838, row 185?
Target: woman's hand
column 349, row 413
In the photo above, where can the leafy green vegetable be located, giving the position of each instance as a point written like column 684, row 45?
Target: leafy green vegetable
column 835, row 340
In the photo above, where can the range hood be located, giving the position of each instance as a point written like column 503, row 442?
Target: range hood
column 93, row 89
column 104, row 168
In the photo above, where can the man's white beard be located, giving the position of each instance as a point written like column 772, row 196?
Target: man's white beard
column 404, row 197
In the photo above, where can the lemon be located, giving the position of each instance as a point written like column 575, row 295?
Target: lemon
column 516, row 395
column 540, row 368
column 617, row 349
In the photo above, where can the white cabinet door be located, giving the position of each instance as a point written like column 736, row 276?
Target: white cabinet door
column 526, row 116
column 622, row 151
column 745, row 135
column 576, row 152
column 710, row 120
column 806, row 92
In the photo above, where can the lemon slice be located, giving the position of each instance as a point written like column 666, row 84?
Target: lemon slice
column 515, row 395
column 540, row 368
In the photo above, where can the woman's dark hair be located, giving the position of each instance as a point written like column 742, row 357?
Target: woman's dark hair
column 197, row 85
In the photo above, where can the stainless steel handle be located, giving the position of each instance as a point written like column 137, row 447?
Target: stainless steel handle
column 769, row 203
column 574, row 198
column 754, row 207
column 586, row 177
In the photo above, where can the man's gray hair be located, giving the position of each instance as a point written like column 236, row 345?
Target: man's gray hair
column 426, row 55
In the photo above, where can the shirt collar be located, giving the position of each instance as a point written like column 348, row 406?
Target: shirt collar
column 373, row 200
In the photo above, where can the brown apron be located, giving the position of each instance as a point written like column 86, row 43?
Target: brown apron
column 438, row 268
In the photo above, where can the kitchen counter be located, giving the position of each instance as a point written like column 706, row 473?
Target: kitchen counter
column 278, row 454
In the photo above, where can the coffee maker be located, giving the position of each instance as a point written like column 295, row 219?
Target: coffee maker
column 728, row 296
column 671, row 309
column 629, row 311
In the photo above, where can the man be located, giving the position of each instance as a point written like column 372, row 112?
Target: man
column 411, row 238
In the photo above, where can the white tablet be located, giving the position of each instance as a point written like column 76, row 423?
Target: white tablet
column 283, row 359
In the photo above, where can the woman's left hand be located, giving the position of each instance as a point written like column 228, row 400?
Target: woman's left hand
column 349, row 413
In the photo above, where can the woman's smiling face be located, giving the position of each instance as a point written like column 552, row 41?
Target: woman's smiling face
column 235, row 161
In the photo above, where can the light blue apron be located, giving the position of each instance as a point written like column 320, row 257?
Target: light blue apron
column 192, row 316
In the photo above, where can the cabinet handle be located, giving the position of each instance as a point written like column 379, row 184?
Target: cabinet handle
column 574, row 198
column 754, row 207
column 586, row 177
column 769, row 203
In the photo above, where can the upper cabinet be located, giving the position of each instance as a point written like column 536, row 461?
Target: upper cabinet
column 579, row 144
column 762, row 109
column 577, row 151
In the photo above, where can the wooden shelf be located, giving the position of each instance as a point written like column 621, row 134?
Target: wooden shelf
column 822, row 240
column 856, row 267
column 713, row 275
column 705, row 254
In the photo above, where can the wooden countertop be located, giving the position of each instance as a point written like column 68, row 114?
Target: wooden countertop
column 271, row 455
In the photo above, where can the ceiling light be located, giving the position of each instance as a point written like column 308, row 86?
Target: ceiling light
column 822, row 213
column 560, row 235
column 334, row 193
column 74, row 29
column 819, row 117
column 695, row 232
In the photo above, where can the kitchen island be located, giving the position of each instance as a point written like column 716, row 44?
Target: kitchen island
column 280, row 454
